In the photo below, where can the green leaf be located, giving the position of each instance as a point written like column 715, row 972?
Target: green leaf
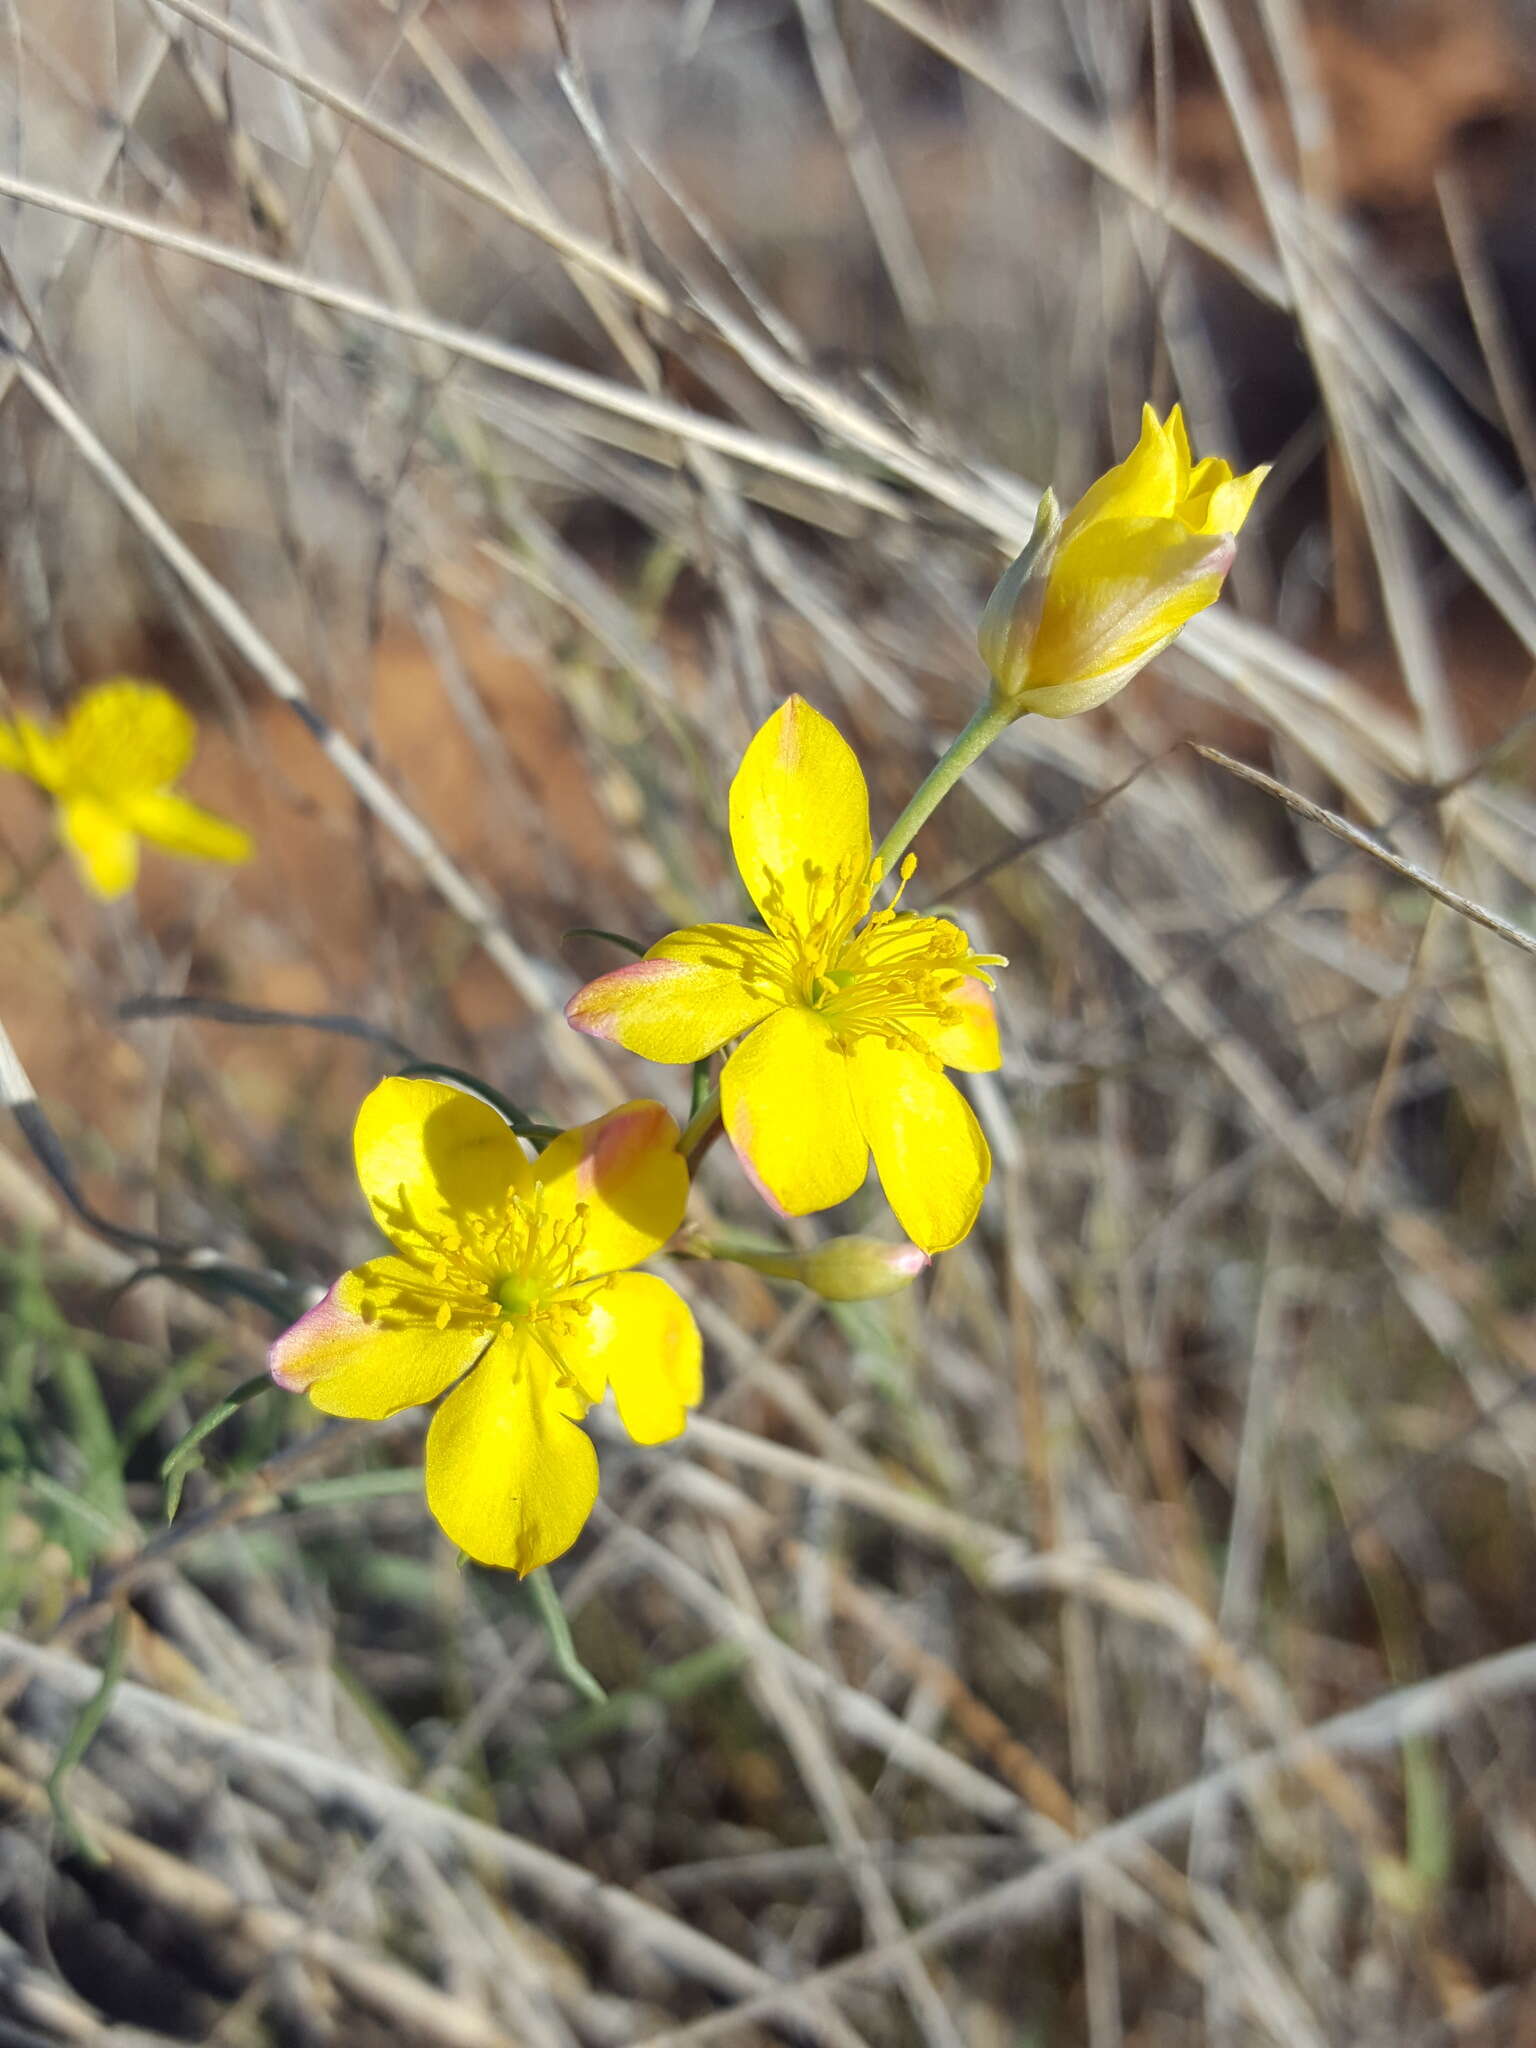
column 592, row 931
column 181, row 1460
column 79, row 1740
column 545, row 1601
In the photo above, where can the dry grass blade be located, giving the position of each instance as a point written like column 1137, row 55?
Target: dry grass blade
column 576, row 248
column 437, row 1827
column 1316, row 814
column 480, row 418
column 1412, row 1712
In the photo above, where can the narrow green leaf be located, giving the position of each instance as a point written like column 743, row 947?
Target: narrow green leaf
column 79, row 1740
column 179, row 1461
column 592, row 931
column 540, row 1588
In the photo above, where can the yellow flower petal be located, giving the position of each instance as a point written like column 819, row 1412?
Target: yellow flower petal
column 1144, row 486
column 1183, row 458
column 1232, row 500
column 25, row 749
column 639, row 1338
column 626, row 1172
column 510, row 1476
column 349, row 1366
column 426, row 1153
column 789, row 1114
column 800, row 819
column 104, row 849
column 1121, row 589
column 185, row 828
column 124, row 735
column 970, row 1041
column 929, row 1151
column 1145, row 548
column 686, row 997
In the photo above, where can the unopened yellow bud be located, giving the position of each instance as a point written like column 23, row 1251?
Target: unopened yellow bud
column 1095, row 595
column 842, row 1269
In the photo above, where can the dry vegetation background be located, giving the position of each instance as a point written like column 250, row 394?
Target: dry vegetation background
column 1125, row 1637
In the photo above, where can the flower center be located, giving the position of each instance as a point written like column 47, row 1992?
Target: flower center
column 513, row 1295
column 476, row 1271
column 888, row 972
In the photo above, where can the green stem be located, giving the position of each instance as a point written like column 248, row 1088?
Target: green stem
column 702, row 1129
column 990, row 721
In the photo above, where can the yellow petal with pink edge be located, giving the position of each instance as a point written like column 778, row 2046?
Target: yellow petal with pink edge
column 510, row 1476
column 185, row 828
column 627, row 1176
column 358, row 1367
column 692, row 991
column 124, row 735
column 788, row 1112
column 929, row 1150
column 800, row 819
column 969, row 1040
column 427, row 1153
column 639, row 1338
column 100, row 844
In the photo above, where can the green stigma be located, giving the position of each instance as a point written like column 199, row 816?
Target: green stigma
column 515, row 1294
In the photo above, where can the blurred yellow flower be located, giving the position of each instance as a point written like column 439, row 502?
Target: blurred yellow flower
column 508, row 1277
column 847, row 1015
column 1096, row 595
column 109, row 769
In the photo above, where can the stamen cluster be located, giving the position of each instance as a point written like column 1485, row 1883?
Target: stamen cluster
column 473, row 1270
column 889, row 972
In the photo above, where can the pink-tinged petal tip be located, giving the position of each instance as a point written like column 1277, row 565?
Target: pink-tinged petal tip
column 304, row 1352
column 597, row 1008
column 664, row 1010
column 620, row 1144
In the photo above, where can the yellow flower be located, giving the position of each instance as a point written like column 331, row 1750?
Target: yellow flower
column 109, row 768
column 847, row 1015
column 1096, row 595
column 508, row 1277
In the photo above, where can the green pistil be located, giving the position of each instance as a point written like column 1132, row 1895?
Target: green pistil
column 514, row 1294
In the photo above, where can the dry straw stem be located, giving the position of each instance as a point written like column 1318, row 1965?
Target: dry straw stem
column 244, row 1934
column 799, row 465
column 575, row 248
column 826, row 1782
column 467, row 898
column 1256, row 662
column 1411, row 1713
column 374, row 1800
column 1315, row 814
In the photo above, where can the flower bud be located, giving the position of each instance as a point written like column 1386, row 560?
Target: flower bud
column 842, row 1269
column 1096, row 595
